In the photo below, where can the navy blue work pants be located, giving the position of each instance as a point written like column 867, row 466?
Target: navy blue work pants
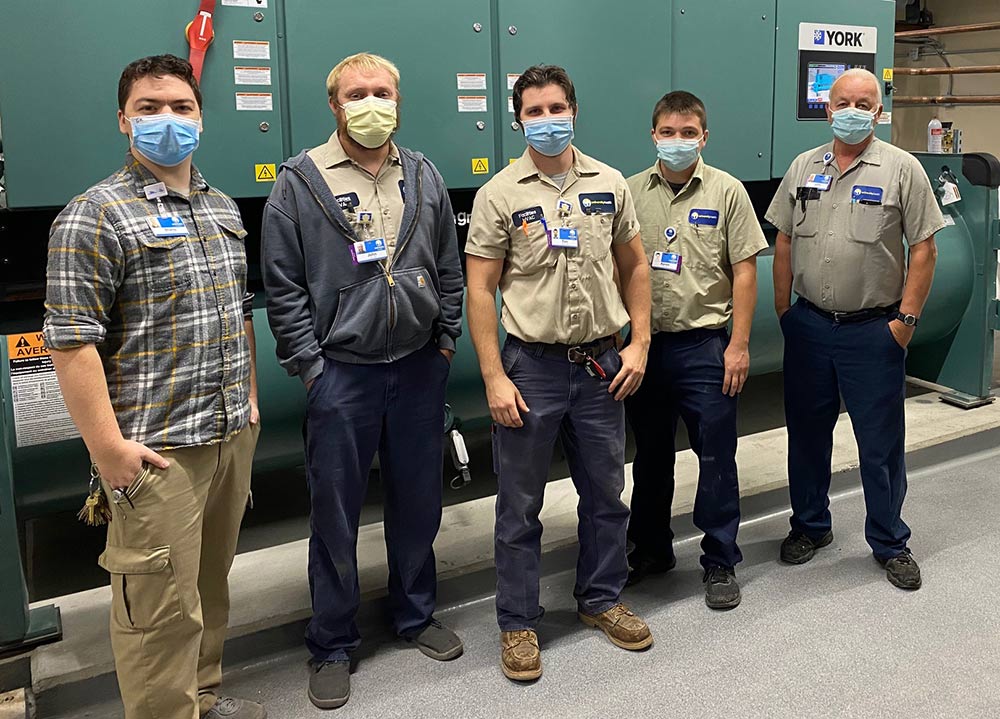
column 568, row 403
column 684, row 376
column 354, row 411
column 863, row 363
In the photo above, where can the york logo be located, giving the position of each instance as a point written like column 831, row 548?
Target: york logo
column 838, row 38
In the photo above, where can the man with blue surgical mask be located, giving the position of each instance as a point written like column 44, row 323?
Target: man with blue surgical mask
column 843, row 212
column 151, row 332
column 550, row 231
column 701, row 237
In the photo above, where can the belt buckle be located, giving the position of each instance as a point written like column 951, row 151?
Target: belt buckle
column 837, row 316
column 581, row 356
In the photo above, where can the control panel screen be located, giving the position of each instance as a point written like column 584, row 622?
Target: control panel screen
column 819, row 81
column 817, row 73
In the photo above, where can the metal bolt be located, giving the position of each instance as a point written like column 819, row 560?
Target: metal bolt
column 512, row 30
column 265, row 126
column 515, row 126
column 480, row 125
column 477, row 26
column 760, row 154
column 682, row 12
column 763, row 17
column 258, row 17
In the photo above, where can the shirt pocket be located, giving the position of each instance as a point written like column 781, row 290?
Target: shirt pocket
column 805, row 222
column 865, row 223
column 704, row 245
column 531, row 254
column 165, row 263
column 597, row 236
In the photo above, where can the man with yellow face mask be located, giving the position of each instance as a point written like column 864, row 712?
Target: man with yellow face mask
column 364, row 297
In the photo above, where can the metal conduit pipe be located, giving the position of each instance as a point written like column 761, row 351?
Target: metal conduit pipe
column 946, row 100
column 968, row 70
column 949, row 30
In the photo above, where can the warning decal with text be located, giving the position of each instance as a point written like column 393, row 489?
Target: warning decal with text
column 40, row 414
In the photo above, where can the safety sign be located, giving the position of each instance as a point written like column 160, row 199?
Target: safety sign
column 480, row 165
column 40, row 414
column 264, row 173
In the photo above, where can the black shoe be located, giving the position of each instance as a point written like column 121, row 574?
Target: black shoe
column 722, row 591
column 902, row 570
column 641, row 565
column 330, row 684
column 438, row 642
column 799, row 549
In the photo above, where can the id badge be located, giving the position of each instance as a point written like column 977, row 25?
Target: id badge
column 819, row 182
column 669, row 261
column 167, row 226
column 564, row 237
column 369, row 251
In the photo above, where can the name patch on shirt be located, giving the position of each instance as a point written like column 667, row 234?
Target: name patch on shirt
column 866, row 194
column 709, row 218
column 348, row 201
column 597, row 203
column 529, row 215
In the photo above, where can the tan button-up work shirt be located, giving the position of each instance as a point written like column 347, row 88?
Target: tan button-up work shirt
column 555, row 295
column 357, row 191
column 701, row 294
column 847, row 241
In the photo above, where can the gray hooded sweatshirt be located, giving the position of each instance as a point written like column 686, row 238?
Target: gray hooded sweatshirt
column 320, row 303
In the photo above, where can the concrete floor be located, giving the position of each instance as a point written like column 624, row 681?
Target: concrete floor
column 829, row 639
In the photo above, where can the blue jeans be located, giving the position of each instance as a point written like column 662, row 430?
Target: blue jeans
column 684, row 376
column 863, row 363
column 568, row 403
column 354, row 411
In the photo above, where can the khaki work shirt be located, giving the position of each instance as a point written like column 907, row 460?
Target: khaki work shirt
column 701, row 294
column 551, row 295
column 357, row 191
column 848, row 255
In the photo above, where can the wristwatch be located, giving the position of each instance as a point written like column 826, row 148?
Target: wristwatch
column 908, row 320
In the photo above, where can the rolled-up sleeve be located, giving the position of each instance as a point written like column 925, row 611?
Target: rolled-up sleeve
column 85, row 269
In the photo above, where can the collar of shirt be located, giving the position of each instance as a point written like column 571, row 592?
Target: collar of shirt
column 333, row 153
column 656, row 176
column 142, row 177
column 871, row 155
column 524, row 167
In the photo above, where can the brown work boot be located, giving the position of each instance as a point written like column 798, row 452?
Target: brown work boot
column 623, row 628
column 520, row 657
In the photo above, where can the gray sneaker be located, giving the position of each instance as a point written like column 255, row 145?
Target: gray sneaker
column 231, row 708
column 722, row 591
column 902, row 570
column 330, row 684
column 438, row 642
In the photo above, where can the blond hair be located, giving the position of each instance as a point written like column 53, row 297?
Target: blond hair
column 364, row 61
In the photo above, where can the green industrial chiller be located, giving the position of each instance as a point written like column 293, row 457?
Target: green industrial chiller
column 753, row 62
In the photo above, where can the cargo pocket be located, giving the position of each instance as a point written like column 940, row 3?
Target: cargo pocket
column 865, row 224
column 143, row 586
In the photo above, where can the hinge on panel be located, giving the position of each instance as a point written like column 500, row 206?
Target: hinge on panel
column 994, row 315
column 995, row 235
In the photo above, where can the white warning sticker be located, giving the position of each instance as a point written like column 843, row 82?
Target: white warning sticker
column 252, row 75
column 511, row 79
column 245, row 3
column 251, row 50
column 471, row 80
column 40, row 414
column 254, row 101
column 949, row 221
column 510, row 104
column 885, row 118
column 472, row 103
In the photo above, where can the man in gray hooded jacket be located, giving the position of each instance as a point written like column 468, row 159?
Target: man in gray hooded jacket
column 364, row 296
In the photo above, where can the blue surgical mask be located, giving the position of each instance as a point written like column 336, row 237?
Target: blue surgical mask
column 549, row 135
column 165, row 139
column 852, row 126
column 678, row 154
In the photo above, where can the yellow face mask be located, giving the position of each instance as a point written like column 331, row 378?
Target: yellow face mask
column 370, row 121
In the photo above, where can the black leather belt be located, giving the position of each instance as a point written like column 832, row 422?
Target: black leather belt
column 571, row 353
column 852, row 317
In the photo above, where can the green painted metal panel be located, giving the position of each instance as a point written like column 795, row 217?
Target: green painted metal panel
column 430, row 44
column 723, row 52
column 791, row 135
column 60, row 134
column 617, row 56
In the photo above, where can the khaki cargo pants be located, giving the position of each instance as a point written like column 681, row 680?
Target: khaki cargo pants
column 169, row 559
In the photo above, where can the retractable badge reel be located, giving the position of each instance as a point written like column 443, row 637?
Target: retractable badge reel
column 668, row 261
column 368, row 249
column 563, row 236
column 164, row 224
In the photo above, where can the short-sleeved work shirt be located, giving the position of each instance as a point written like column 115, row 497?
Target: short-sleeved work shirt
column 357, row 191
column 555, row 295
column 847, row 241
column 711, row 224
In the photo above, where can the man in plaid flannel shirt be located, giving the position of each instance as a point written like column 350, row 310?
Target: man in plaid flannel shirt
column 151, row 333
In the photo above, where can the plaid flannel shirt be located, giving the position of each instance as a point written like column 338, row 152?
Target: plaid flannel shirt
column 166, row 313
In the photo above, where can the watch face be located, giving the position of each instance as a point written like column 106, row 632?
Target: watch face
column 909, row 320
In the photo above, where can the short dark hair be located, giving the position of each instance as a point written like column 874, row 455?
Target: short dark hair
column 540, row 76
column 682, row 103
column 156, row 66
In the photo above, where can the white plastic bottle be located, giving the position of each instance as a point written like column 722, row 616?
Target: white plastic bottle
column 935, row 133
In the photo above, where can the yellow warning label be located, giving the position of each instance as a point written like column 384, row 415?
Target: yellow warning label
column 264, row 173
column 480, row 165
column 30, row 344
column 887, row 74
column 511, row 160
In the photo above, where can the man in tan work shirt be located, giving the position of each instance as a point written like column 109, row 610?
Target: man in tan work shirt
column 702, row 238
column 842, row 213
column 549, row 230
